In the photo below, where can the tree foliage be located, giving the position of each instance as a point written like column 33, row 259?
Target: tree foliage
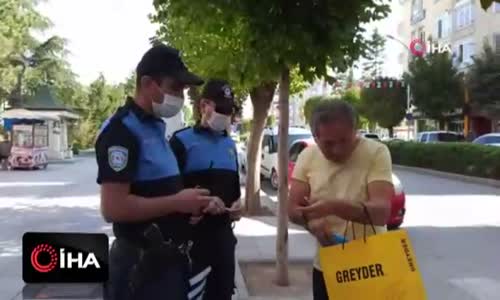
column 99, row 103
column 375, row 57
column 309, row 106
column 485, row 4
column 250, row 42
column 384, row 106
column 435, row 84
column 255, row 44
column 26, row 63
column 19, row 20
column 484, row 78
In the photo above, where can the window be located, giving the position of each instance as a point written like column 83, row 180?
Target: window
column 296, row 150
column 496, row 38
column 496, row 7
column 461, row 53
column 41, row 135
column 291, row 139
column 464, row 16
column 448, row 137
column 440, row 29
column 488, row 140
column 422, row 35
column 266, row 141
column 417, row 11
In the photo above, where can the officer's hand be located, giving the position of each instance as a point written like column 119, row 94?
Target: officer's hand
column 235, row 211
column 195, row 219
column 193, row 201
column 215, row 207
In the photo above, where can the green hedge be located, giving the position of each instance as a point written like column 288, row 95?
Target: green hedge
column 461, row 158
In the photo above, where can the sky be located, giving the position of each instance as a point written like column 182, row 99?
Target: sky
column 110, row 36
column 107, row 36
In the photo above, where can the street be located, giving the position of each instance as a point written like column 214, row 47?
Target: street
column 454, row 226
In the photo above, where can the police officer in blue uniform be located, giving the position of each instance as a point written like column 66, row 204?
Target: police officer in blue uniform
column 141, row 187
column 207, row 158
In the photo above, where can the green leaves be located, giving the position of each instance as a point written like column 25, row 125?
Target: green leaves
column 374, row 56
column 485, row 4
column 385, row 106
column 248, row 42
column 436, row 85
column 483, row 78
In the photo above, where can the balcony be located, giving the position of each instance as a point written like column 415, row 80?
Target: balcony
column 417, row 16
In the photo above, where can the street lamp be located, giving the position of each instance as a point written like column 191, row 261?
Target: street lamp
column 408, row 101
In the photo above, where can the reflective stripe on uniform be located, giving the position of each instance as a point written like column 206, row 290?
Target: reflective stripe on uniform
column 197, row 284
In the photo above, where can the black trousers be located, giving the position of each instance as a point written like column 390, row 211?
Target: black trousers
column 319, row 287
column 215, row 248
column 171, row 284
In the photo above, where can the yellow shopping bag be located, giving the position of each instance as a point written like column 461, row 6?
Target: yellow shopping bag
column 379, row 267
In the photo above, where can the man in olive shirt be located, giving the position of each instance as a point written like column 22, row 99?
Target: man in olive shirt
column 334, row 181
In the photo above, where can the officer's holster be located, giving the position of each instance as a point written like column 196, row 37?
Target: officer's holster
column 158, row 260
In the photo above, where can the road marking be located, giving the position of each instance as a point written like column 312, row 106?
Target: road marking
column 481, row 288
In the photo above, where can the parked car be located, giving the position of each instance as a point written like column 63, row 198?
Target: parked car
column 490, row 139
column 398, row 201
column 269, row 163
column 439, row 136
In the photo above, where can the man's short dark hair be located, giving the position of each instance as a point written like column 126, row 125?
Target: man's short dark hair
column 329, row 111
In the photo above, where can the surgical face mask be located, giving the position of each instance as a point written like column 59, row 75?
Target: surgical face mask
column 219, row 122
column 169, row 107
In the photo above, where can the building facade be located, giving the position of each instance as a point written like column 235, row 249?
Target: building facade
column 461, row 26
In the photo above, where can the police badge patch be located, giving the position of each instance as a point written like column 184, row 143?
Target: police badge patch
column 117, row 158
column 227, row 91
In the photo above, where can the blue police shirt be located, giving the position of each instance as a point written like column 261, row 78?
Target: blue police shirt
column 131, row 147
column 208, row 159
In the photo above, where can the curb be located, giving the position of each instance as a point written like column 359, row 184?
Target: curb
column 239, row 281
column 463, row 178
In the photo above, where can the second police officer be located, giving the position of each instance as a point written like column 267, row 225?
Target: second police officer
column 207, row 158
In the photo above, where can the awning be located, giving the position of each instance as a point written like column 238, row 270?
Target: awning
column 26, row 114
column 59, row 114
column 20, row 113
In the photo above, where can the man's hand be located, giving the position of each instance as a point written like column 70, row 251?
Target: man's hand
column 321, row 229
column 318, row 209
column 215, row 207
column 193, row 201
column 235, row 211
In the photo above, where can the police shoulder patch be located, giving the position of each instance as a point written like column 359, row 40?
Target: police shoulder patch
column 117, row 158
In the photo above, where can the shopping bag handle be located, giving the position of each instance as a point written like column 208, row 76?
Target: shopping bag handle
column 365, row 210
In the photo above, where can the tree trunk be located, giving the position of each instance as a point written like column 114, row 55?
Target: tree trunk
column 391, row 132
column 442, row 124
column 16, row 100
column 282, row 237
column 261, row 97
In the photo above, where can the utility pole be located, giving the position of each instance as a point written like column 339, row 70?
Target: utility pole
column 466, row 112
column 409, row 113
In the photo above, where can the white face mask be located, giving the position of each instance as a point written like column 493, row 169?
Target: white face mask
column 169, row 107
column 219, row 122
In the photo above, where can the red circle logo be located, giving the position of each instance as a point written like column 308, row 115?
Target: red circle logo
column 53, row 258
column 417, row 47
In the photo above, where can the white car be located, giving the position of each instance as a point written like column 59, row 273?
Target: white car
column 490, row 139
column 269, row 162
